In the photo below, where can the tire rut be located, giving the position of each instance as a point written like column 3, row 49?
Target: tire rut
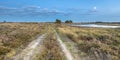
column 29, row 52
column 64, row 48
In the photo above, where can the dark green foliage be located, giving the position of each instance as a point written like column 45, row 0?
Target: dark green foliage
column 68, row 21
column 4, row 21
column 58, row 21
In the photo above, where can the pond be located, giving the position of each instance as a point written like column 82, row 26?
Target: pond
column 97, row 26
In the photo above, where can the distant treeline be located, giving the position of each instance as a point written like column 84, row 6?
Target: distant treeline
column 60, row 21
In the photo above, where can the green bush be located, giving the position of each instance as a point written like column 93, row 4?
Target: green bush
column 68, row 21
column 58, row 21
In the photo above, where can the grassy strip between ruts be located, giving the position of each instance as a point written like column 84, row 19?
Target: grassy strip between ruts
column 51, row 49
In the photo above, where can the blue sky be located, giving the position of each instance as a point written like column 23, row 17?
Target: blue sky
column 49, row 10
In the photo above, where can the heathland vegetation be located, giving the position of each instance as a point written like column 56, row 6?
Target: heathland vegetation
column 15, row 36
column 50, row 48
column 82, row 42
column 94, row 42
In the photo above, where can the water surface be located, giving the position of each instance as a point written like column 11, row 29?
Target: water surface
column 97, row 26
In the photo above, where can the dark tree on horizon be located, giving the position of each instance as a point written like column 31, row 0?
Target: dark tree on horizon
column 68, row 21
column 58, row 21
column 4, row 21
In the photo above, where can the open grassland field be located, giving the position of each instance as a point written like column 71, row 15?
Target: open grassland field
column 92, row 43
column 15, row 36
column 52, row 41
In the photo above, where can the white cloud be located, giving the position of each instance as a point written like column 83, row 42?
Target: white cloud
column 38, row 11
column 30, row 10
column 94, row 8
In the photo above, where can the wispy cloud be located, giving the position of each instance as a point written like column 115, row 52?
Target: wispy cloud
column 38, row 11
column 30, row 10
column 82, row 12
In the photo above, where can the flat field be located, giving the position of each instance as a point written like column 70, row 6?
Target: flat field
column 49, row 41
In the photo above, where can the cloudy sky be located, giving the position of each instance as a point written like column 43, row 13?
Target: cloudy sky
column 49, row 10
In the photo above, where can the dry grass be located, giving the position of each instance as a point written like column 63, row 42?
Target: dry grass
column 104, row 40
column 51, row 49
column 15, row 36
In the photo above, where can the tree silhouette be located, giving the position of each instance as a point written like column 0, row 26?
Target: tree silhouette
column 68, row 21
column 58, row 21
